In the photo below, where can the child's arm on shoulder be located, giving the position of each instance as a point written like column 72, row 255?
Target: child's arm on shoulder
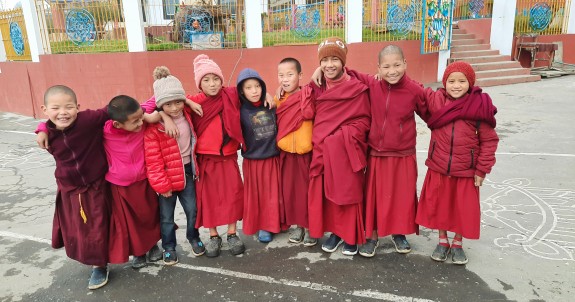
column 488, row 141
column 42, row 135
column 421, row 102
column 169, row 125
column 196, row 108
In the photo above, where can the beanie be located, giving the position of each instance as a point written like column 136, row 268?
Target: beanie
column 462, row 67
column 246, row 74
column 203, row 65
column 167, row 87
column 332, row 47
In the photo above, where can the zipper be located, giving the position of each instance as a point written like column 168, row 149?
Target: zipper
column 77, row 166
column 472, row 158
column 451, row 148
column 385, row 116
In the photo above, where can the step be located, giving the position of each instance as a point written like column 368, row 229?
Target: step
column 462, row 36
column 495, row 65
column 483, row 59
column 496, row 81
column 502, row 72
column 466, row 42
column 471, row 47
column 474, row 53
column 459, row 31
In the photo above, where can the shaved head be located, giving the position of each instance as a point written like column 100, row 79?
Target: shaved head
column 57, row 89
column 391, row 50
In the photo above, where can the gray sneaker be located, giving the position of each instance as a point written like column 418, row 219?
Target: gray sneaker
column 236, row 245
column 155, row 254
column 214, row 246
column 401, row 244
column 309, row 241
column 98, row 278
column 368, row 248
column 139, row 262
column 297, row 235
column 458, row 256
column 440, row 253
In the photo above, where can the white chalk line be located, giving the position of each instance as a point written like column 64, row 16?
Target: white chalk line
column 286, row 282
column 523, row 153
column 18, row 132
column 267, row 279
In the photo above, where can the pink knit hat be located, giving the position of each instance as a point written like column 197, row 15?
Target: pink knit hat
column 203, row 65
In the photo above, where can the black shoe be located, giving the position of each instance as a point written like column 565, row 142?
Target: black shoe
column 236, row 245
column 349, row 249
column 98, row 278
column 155, row 254
column 214, row 246
column 170, row 257
column 368, row 248
column 139, row 262
column 331, row 244
column 401, row 244
column 198, row 247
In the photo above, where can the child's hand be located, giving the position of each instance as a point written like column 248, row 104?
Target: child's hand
column 269, row 102
column 196, row 108
column 42, row 140
column 478, row 180
column 167, row 194
column 169, row 125
column 316, row 76
column 377, row 77
column 279, row 92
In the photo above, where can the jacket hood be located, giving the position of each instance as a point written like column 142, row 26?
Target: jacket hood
column 246, row 74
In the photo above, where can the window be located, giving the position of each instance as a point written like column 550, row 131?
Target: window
column 169, row 7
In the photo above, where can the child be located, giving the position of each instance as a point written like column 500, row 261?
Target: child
column 294, row 139
column 220, row 190
column 135, row 224
column 461, row 153
column 339, row 139
column 261, row 158
column 171, row 164
column 83, row 201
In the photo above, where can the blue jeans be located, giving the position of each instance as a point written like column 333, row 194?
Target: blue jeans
column 187, row 199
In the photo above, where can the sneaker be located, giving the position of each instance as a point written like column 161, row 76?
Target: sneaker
column 236, row 245
column 155, row 254
column 368, row 248
column 401, row 244
column 349, row 249
column 170, row 257
column 331, row 244
column 139, row 262
column 198, row 247
column 309, row 241
column 214, row 246
column 264, row 236
column 297, row 235
column 98, row 278
column 440, row 253
column 458, row 256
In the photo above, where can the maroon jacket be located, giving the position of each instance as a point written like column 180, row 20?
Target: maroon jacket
column 79, row 149
column 462, row 147
column 393, row 108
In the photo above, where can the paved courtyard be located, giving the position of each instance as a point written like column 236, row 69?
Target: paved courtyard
column 526, row 251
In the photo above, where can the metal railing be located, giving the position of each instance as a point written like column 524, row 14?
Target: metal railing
column 293, row 22
column 14, row 37
column 82, row 26
column 472, row 9
column 543, row 17
column 392, row 20
column 193, row 24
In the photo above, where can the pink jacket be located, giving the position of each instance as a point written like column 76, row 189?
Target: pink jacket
column 125, row 152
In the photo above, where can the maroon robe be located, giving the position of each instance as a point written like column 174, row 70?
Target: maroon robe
column 339, row 158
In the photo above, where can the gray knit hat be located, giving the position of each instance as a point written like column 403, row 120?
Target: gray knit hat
column 167, row 87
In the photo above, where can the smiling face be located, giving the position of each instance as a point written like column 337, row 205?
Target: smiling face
column 332, row 67
column 211, row 84
column 252, row 90
column 133, row 123
column 392, row 67
column 61, row 109
column 456, row 85
column 288, row 76
column 174, row 108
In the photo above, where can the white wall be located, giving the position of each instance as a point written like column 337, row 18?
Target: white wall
column 502, row 24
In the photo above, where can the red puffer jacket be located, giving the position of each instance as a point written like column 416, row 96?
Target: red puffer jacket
column 462, row 148
column 164, row 165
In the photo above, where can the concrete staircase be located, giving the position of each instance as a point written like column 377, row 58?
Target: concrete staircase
column 491, row 68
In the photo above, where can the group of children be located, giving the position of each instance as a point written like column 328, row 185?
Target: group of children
column 335, row 157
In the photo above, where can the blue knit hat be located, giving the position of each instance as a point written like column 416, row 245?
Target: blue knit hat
column 246, row 74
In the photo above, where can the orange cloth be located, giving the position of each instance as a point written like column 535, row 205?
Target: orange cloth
column 299, row 141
